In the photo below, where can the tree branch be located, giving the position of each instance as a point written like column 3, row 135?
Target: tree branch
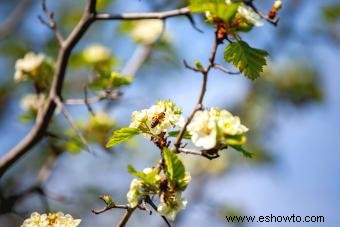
column 73, row 124
column 126, row 217
column 138, row 16
column 14, row 19
column 41, row 125
column 199, row 104
column 50, row 23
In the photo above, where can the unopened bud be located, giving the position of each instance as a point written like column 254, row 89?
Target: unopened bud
column 277, row 4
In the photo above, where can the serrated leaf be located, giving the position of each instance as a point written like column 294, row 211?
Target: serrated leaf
column 150, row 179
column 122, row 135
column 176, row 133
column 248, row 60
column 242, row 150
column 217, row 8
column 175, row 170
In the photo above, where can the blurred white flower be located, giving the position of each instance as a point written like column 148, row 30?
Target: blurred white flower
column 158, row 118
column 32, row 102
column 134, row 192
column 51, row 220
column 203, row 130
column 249, row 14
column 170, row 205
column 96, row 53
column 147, row 31
column 28, row 66
column 209, row 128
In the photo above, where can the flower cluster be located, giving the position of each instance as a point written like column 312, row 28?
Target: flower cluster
column 140, row 187
column 51, row 220
column 147, row 31
column 36, row 67
column 212, row 128
column 171, row 201
column 157, row 119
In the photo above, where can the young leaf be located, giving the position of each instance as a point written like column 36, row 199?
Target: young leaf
column 175, row 170
column 248, row 60
column 122, row 135
column 150, row 179
column 236, row 140
column 242, row 150
column 217, row 8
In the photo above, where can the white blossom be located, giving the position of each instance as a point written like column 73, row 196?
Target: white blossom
column 147, row 31
column 96, row 53
column 51, row 220
column 208, row 128
column 158, row 118
column 28, row 66
column 170, row 206
column 249, row 14
column 203, row 130
column 134, row 192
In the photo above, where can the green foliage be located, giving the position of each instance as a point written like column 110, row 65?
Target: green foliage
column 331, row 13
column 110, row 81
column 198, row 65
column 122, row 135
column 248, row 60
column 175, row 170
column 151, row 179
column 217, row 8
column 176, row 133
column 27, row 117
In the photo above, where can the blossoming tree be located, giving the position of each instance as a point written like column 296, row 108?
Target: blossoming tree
column 206, row 132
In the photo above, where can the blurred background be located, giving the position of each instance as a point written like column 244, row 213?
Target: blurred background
column 292, row 112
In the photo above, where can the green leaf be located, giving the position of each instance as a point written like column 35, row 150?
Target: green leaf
column 27, row 117
column 175, row 170
column 151, row 179
column 176, row 133
column 117, row 80
column 248, row 60
column 217, row 8
column 122, row 135
column 242, row 150
column 237, row 140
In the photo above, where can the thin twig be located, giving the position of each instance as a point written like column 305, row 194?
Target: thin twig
column 209, row 154
column 221, row 68
column 14, row 19
column 69, row 118
column 51, row 23
column 152, row 204
column 250, row 3
column 100, row 97
column 109, row 207
column 138, row 16
column 88, row 105
column 199, row 104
